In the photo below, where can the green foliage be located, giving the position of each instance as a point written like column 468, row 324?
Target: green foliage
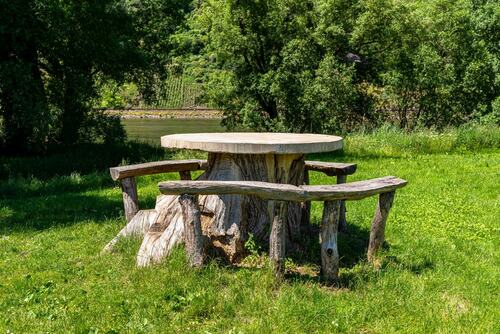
column 114, row 96
column 272, row 70
column 55, row 55
column 438, row 272
column 330, row 65
column 23, row 106
column 432, row 65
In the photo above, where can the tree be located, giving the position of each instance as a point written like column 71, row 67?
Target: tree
column 84, row 40
column 23, row 105
column 271, row 70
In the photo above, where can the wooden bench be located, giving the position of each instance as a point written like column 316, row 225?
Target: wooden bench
column 126, row 175
column 281, row 194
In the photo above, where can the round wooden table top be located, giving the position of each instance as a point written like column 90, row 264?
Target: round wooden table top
column 254, row 142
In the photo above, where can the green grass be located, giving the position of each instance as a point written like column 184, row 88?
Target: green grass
column 439, row 272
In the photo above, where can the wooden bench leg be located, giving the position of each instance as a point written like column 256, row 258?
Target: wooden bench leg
column 342, row 220
column 193, row 237
column 277, row 238
column 185, row 175
column 306, row 206
column 377, row 233
column 130, row 199
column 328, row 238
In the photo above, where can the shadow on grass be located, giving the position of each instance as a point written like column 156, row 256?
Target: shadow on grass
column 82, row 159
column 355, row 269
column 352, row 246
column 66, row 186
column 45, row 212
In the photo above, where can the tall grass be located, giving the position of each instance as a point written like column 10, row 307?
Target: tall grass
column 389, row 141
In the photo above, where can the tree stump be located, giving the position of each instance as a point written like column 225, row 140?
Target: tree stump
column 228, row 219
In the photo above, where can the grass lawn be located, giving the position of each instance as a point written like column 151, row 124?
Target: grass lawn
column 440, row 271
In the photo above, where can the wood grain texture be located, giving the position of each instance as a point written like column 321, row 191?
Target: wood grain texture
column 254, row 143
column 331, row 168
column 277, row 239
column 117, row 173
column 342, row 219
column 138, row 226
column 377, row 233
column 306, row 206
column 228, row 218
column 286, row 192
column 130, row 198
column 156, row 167
column 164, row 234
column 328, row 239
column 193, row 237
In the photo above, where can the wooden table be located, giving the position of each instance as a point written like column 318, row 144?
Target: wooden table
column 269, row 157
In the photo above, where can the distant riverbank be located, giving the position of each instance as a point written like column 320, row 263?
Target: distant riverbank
column 166, row 113
column 151, row 129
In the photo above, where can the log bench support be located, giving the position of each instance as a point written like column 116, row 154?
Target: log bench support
column 377, row 233
column 193, row 238
column 281, row 195
column 277, row 238
column 328, row 239
column 338, row 169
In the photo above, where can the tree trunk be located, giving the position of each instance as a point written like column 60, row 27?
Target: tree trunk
column 228, row 219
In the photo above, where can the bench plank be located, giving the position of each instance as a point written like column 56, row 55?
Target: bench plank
column 118, row 173
column 331, row 168
column 353, row 190
column 285, row 192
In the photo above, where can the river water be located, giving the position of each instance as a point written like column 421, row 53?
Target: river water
column 150, row 130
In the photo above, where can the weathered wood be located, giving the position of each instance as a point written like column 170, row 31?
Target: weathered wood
column 254, row 143
column 164, row 234
column 306, row 206
column 328, row 239
column 228, row 218
column 193, row 237
column 331, row 168
column 120, row 172
column 377, row 233
column 138, row 226
column 156, row 167
column 286, row 192
column 185, row 175
column 130, row 199
column 277, row 239
column 342, row 220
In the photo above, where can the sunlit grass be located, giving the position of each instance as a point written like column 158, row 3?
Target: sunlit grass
column 439, row 272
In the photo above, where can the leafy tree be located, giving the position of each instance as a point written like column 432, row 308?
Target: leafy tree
column 326, row 65
column 23, row 105
column 55, row 55
column 84, row 40
column 271, row 69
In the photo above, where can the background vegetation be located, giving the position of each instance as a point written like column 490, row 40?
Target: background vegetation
column 276, row 65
